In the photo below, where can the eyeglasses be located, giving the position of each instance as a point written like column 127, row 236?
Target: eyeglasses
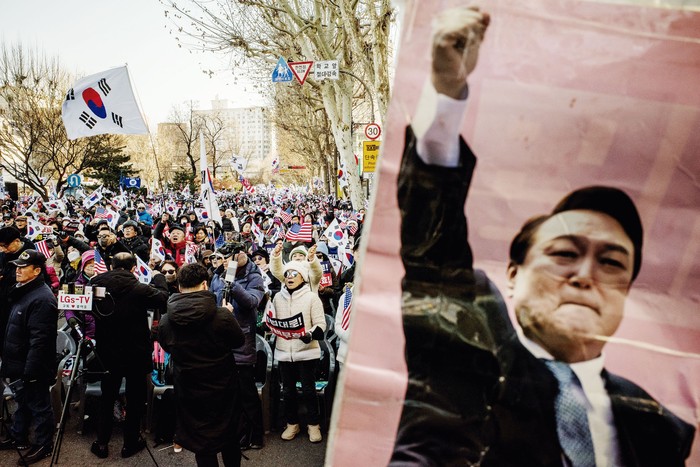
column 291, row 274
column 102, row 237
column 168, row 271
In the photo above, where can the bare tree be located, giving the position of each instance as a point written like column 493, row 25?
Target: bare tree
column 312, row 141
column 33, row 143
column 355, row 32
column 217, row 144
column 188, row 127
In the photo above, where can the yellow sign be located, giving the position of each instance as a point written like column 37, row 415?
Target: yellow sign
column 370, row 154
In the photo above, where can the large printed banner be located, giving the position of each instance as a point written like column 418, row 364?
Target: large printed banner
column 565, row 94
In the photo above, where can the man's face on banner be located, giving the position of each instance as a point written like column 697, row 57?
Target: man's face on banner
column 573, row 283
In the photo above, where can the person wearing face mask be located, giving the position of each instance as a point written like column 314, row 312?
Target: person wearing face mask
column 176, row 245
column 169, row 269
column 86, row 271
column 201, row 238
column 108, row 245
column 298, row 358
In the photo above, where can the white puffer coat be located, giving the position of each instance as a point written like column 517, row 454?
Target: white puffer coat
column 306, row 302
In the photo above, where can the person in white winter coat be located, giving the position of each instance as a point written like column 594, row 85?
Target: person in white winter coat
column 298, row 358
column 299, row 253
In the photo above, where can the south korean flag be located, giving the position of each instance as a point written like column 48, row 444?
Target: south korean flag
column 102, row 103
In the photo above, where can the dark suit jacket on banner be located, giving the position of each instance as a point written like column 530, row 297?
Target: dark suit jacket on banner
column 475, row 395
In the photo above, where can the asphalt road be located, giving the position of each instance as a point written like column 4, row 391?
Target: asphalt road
column 75, row 451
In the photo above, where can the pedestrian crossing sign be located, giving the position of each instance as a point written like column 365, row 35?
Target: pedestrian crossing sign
column 282, row 73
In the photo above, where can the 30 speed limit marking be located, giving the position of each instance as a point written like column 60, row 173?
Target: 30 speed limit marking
column 372, row 131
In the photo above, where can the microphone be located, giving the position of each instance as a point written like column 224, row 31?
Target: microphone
column 75, row 324
column 231, row 270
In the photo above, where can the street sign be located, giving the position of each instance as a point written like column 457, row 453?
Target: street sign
column 282, row 73
column 370, row 154
column 326, row 69
column 74, row 180
column 372, row 131
column 301, row 70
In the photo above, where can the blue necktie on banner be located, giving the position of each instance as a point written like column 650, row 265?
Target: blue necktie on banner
column 572, row 419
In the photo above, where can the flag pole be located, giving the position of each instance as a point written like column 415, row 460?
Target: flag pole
column 148, row 127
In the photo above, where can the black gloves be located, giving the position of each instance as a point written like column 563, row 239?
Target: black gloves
column 316, row 335
column 306, row 338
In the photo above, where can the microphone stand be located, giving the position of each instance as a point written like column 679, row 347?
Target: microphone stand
column 84, row 345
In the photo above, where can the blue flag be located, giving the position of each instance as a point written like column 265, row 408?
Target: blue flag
column 128, row 182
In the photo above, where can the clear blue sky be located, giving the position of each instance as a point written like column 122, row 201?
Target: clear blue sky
column 91, row 36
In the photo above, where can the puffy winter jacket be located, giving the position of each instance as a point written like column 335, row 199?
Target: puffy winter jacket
column 245, row 296
column 306, row 302
column 30, row 339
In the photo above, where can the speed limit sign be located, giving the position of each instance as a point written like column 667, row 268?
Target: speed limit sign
column 372, row 131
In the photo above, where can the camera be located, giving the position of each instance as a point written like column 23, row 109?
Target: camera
column 16, row 386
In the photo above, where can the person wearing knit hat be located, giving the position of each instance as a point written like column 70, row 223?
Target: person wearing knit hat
column 299, row 253
column 298, row 357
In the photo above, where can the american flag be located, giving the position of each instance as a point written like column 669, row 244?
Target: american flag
column 285, row 216
column 43, row 248
column 299, row 233
column 347, row 306
column 100, row 266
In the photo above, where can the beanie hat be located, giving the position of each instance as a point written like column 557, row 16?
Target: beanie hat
column 321, row 247
column 300, row 266
column 298, row 249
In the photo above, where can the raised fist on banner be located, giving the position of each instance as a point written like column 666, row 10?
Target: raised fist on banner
column 457, row 36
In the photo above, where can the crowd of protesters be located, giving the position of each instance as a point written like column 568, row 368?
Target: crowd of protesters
column 274, row 254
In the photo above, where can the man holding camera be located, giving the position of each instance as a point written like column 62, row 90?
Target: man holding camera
column 244, row 289
column 29, row 356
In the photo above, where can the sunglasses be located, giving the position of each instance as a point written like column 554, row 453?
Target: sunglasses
column 169, row 271
column 217, row 258
column 291, row 274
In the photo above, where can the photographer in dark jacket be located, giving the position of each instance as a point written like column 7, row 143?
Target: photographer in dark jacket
column 245, row 294
column 199, row 335
column 124, row 346
column 11, row 246
column 29, row 356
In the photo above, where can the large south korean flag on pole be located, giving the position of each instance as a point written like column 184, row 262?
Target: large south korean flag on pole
column 102, row 103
